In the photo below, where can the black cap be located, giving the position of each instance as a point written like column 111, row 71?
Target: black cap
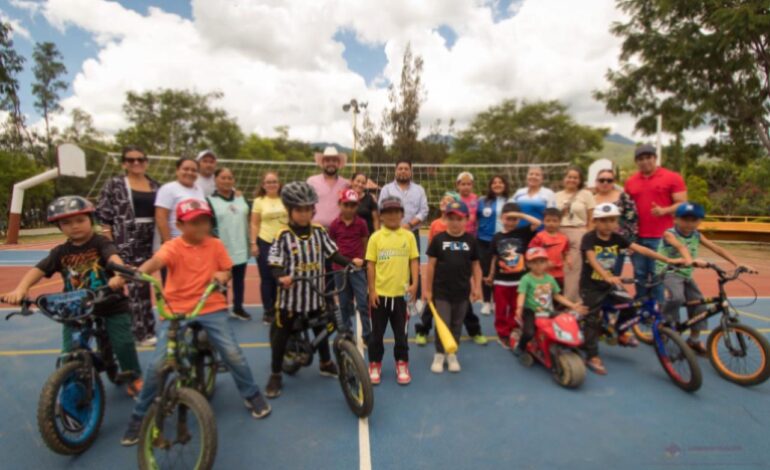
column 511, row 207
column 645, row 150
column 391, row 203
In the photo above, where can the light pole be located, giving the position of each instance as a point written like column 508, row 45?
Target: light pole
column 356, row 108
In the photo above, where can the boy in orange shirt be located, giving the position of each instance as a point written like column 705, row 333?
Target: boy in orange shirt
column 555, row 243
column 192, row 261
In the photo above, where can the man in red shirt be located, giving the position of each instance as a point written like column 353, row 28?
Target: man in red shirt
column 657, row 193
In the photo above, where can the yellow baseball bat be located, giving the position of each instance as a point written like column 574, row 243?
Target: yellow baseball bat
column 442, row 331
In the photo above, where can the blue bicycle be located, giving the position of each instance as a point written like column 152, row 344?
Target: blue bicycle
column 71, row 404
column 677, row 358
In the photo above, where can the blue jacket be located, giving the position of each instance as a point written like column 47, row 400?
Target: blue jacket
column 488, row 218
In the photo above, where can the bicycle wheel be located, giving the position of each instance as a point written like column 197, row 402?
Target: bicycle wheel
column 189, row 438
column 678, row 360
column 744, row 360
column 206, row 367
column 643, row 332
column 354, row 378
column 68, row 421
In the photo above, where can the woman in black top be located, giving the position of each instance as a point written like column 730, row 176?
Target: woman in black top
column 367, row 205
column 126, row 211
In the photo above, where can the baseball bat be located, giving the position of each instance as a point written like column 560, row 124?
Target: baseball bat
column 442, row 331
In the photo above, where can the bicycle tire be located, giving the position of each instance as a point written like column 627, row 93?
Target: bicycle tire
column 206, row 368
column 643, row 335
column 354, row 378
column 696, row 376
column 763, row 371
column 49, row 410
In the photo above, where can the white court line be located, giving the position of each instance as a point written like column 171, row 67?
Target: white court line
column 364, row 449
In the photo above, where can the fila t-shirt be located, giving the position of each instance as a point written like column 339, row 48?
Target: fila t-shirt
column 454, row 265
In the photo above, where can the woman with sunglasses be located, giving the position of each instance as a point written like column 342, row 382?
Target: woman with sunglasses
column 608, row 192
column 126, row 212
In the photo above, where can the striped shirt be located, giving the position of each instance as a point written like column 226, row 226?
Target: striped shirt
column 301, row 256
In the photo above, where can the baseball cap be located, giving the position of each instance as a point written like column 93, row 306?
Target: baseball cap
column 536, row 253
column 205, row 153
column 189, row 209
column 390, row 203
column 348, row 195
column 457, row 208
column 691, row 209
column 645, row 150
column 607, row 209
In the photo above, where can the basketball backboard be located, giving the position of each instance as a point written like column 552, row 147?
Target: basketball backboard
column 72, row 160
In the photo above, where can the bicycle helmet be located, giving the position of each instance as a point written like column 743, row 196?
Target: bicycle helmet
column 298, row 194
column 69, row 206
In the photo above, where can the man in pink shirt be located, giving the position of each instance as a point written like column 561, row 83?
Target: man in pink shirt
column 657, row 193
column 328, row 185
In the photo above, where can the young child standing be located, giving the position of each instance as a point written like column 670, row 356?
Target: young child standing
column 393, row 260
column 555, row 244
column 680, row 284
column 439, row 225
column 537, row 292
column 300, row 250
column 453, row 274
column 601, row 248
column 350, row 233
column 507, row 267
column 81, row 262
column 192, row 260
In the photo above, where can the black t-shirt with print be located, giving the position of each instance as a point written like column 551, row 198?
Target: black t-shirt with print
column 454, row 265
column 83, row 267
column 607, row 253
column 509, row 247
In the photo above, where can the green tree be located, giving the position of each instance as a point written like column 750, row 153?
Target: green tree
column 255, row 147
column 18, row 167
column 522, row 132
column 11, row 65
column 174, row 122
column 372, row 141
column 696, row 62
column 48, row 69
column 402, row 118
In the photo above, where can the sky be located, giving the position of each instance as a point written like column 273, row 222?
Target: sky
column 295, row 62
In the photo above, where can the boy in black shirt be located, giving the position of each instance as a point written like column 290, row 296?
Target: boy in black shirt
column 81, row 261
column 507, row 267
column 453, row 273
column 601, row 248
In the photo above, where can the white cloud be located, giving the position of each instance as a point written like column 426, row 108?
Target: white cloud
column 277, row 63
column 18, row 28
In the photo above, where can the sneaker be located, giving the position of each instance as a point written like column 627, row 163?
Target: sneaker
column 268, row 318
column 420, row 339
column 437, row 366
column 240, row 314
column 133, row 388
column 596, row 365
column 328, row 369
column 486, row 308
column 419, row 305
column 504, row 342
column 453, row 365
column 258, row 406
column 628, row 340
column 403, row 377
column 375, row 372
column 131, row 436
column 480, row 339
column 274, row 386
column 697, row 347
column 149, row 342
column 524, row 357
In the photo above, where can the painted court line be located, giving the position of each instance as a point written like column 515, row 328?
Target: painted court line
column 364, row 449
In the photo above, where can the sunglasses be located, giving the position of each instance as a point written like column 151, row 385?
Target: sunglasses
column 606, row 180
column 131, row 161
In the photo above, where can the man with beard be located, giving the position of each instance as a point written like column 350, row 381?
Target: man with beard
column 328, row 185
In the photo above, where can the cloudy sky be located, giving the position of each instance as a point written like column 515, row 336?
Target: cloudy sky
column 295, row 62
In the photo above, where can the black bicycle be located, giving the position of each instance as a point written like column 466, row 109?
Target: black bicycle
column 71, row 405
column 738, row 352
column 300, row 349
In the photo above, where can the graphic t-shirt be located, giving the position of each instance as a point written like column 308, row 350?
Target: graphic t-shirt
column 83, row 267
column 509, row 247
column 454, row 265
column 392, row 252
column 171, row 194
column 539, row 293
column 607, row 252
column 692, row 242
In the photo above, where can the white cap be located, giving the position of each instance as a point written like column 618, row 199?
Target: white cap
column 204, row 153
column 463, row 175
column 605, row 210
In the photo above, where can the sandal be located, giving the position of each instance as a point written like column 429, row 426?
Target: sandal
column 628, row 340
column 596, row 365
column 697, row 347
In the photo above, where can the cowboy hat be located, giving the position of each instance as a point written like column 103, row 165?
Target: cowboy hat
column 330, row 151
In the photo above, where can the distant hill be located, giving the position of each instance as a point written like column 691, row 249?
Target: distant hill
column 320, row 146
column 619, row 139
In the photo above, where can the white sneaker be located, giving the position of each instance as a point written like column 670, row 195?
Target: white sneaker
column 486, row 308
column 419, row 305
column 438, row 363
column 452, row 363
column 149, row 342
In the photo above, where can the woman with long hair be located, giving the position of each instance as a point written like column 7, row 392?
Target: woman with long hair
column 489, row 223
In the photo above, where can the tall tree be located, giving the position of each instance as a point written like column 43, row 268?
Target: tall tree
column 696, row 62
column 402, row 118
column 11, row 64
column 521, row 132
column 48, row 70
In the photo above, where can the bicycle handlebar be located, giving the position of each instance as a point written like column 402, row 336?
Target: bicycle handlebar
column 724, row 276
column 309, row 279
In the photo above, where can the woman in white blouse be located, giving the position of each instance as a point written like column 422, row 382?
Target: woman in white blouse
column 577, row 207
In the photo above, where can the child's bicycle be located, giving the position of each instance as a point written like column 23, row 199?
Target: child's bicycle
column 353, row 373
column 179, row 430
column 71, row 404
column 676, row 357
column 744, row 356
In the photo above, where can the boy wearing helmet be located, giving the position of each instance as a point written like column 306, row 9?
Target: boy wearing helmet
column 301, row 249
column 81, row 262
column 680, row 284
column 601, row 247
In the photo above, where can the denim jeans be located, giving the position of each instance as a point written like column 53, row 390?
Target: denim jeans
column 222, row 337
column 644, row 270
column 356, row 289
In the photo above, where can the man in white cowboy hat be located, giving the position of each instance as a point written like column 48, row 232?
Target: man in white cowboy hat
column 328, row 185
column 207, row 165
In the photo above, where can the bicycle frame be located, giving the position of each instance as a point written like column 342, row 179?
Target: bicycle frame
column 646, row 308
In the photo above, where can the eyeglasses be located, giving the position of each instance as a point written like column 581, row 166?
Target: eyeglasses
column 132, row 161
column 606, row 180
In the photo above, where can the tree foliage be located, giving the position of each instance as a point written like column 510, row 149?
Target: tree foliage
column 11, row 65
column 48, row 70
column 402, row 119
